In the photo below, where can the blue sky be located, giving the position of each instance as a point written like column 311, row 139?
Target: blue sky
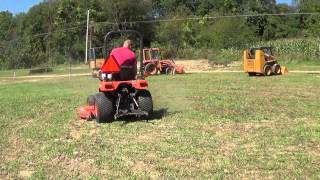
column 284, row 1
column 16, row 6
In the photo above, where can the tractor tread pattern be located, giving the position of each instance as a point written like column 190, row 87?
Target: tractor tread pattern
column 105, row 109
column 276, row 69
column 267, row 70
column 145, row 102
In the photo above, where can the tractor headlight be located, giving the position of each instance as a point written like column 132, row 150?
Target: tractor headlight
column 103, row 76
column 109, row 77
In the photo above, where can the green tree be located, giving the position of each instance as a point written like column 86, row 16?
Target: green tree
column 175, row 34
column 311, row 23
column 7, row 25
column 282, row 26
column 226, row 33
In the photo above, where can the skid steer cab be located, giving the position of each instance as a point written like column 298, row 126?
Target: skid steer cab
column 261, row 61
column 120, row 92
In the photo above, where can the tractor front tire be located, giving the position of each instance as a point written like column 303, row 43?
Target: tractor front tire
column 276, row 69
column 267, row 70
column 251, row 74
column 104, row 108
column 145, row 102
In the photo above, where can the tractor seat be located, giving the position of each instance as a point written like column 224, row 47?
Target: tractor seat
column 126, row 73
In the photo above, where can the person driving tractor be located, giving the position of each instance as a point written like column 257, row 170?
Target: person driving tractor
column 126, row 59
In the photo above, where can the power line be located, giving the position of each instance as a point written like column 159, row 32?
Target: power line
column 162, row 20
column 33, row 36
column 205, row 17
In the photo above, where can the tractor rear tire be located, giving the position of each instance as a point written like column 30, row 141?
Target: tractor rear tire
column 276, row 69
column 104, row 108
column 151, row 69
column 91, row 100
column 145, row 102
column 267, row 70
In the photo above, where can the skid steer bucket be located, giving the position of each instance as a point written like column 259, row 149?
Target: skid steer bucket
column 284, row 70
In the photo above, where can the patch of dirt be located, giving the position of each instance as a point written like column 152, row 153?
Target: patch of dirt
column 227, row 149
column 255, row 174
column 9, row 152
column 235, row 64
column 217, row 110
column 311, row 150
column 141, row 167
column 198, row 65
column 79, row 128
column 22, row 79
column 25, row 174
column 227, row 128
column 85, row 167
column 13, row 152
column 5, row 82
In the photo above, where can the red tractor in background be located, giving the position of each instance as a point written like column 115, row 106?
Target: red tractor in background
column 119, row 95
column 153, row 64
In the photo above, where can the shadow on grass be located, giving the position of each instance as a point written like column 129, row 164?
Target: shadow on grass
column 157, row 115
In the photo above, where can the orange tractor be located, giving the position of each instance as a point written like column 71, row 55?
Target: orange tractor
column 121, row 92
column 261, row 61
column 153, row 65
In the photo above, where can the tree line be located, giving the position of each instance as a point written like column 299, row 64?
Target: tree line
column 53, row 32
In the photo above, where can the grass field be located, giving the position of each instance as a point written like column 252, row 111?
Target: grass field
column 221, row 125
column 190, row 65
column 61, row 69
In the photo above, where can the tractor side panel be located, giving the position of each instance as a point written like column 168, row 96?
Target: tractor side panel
column 248, row 64
column 245, row 61
column 259, row 62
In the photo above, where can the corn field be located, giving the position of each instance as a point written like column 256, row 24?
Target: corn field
column 286, row 50
column 305, row 47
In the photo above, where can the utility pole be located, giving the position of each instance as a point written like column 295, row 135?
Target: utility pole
column 49, row 37
column 87, row 36
column 90, row 35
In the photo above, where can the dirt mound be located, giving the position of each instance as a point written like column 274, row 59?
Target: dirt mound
column 194, row 65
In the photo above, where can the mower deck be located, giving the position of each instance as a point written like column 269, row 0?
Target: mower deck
column 137, row 113
column 89, row 112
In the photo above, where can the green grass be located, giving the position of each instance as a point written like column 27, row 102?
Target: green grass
column 61, row 69
column 221, row 125
column 302, row 67
column 290, row 66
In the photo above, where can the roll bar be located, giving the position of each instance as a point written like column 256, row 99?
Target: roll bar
column 107, row 39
